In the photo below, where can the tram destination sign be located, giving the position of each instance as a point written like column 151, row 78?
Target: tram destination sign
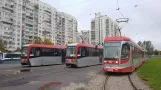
column 112, row 44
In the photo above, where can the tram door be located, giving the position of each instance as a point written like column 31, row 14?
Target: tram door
column 63, row 55
column 132, row 55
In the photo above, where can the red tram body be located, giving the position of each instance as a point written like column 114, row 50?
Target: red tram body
column 121, row 54
column 81, row 54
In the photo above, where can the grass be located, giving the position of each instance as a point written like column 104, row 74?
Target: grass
column 150, row 72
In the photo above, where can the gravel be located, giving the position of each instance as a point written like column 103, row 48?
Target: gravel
column 118, row 82
column 96, row 83
column 138, row 82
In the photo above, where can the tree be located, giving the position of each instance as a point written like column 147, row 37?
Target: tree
column 37, row 40
column 69, row 42
column 156, row 52
column 2, row 45
column 147, row 45
column 48, row 42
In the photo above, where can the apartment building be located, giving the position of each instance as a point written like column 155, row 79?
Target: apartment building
column 29, row 20
column 23, row 20
column 69, row 28
column 102, row 26
column 11, row 23
column 47, row 17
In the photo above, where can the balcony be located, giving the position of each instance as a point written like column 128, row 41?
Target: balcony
column 7, row 21
column 29, row 25
column 48, row 11
column 9, row 6
column 26, row 37
column 8, row 9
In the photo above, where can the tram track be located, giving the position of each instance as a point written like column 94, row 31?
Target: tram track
column 132, row 84
column 105, row 83
column 120, row 79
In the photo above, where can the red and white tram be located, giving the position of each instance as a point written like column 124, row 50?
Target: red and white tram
column 121, row 54
column 39, row 54
column 79, row 55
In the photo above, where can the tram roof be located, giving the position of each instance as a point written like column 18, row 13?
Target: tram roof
column 45, row 46
column 84, row 44
column 120, row 38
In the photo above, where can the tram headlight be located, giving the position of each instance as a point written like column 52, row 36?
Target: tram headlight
column 117, row 61
column 105, row 62
column 73, row 60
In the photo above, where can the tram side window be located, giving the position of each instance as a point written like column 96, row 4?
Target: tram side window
column 95, row 53
column 83, row 52
column 125, row 51
column 50, row 52
column 32, row 51
column 57, row 52
column 91, row 51
column 135, row 52
column 37, row 52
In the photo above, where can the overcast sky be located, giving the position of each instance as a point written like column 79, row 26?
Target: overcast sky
column 145, row 19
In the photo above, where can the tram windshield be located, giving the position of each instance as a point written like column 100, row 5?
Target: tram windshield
column 71, row 52
column 24, row 52
column 111, row 50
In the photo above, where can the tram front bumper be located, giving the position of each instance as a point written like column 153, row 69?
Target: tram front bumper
column 117, row 69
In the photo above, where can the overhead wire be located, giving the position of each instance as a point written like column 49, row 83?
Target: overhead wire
column 118, row 4
column 124, row 16
column 118, row 8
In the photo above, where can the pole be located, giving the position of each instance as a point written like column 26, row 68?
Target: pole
column 125, row 20
column 119, row 31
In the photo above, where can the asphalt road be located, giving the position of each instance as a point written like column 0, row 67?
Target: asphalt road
column 55, row 77
column 9, row 66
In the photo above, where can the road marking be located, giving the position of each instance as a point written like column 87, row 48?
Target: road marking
column 49, row 85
